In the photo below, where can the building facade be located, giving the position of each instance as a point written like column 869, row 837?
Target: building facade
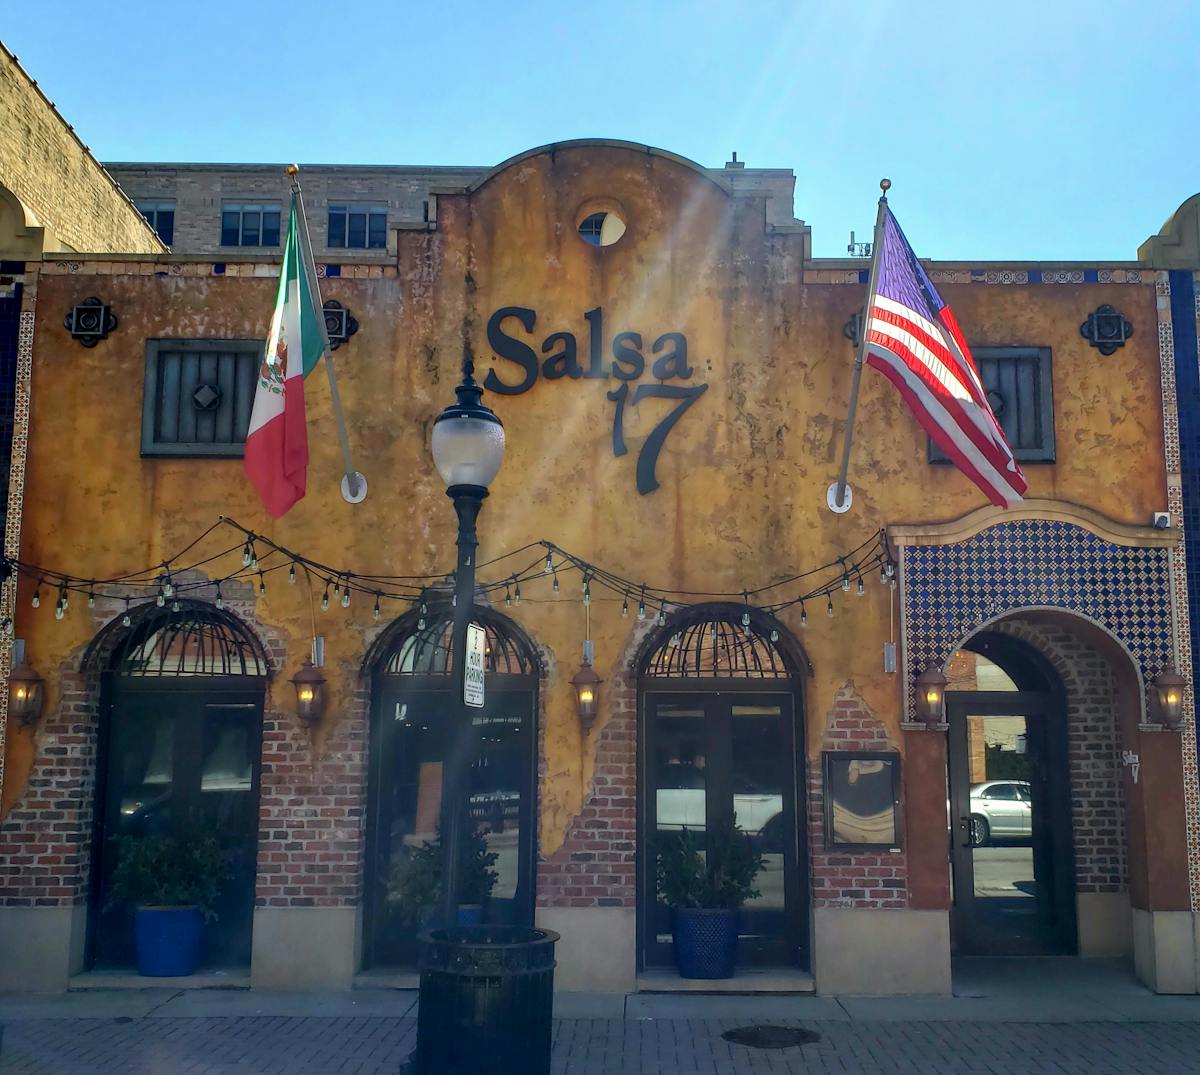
column 673, row 369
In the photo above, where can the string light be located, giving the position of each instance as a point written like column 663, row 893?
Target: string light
column 246, row 554
column 262, row 585
column 845, row 582
column 556, row 582
column 625, row 608
column 160, row 600
column 168, row 587
column 642, row 603
column 774, row 635
column 346, row 596
column 587, row 591
column 829, row 607
column 292, row 573
column 37, row 597
column 325, row 597
column 125, row 620
column 377, row 612
column 861, row 589
column 549, row 562
column 662, row 616
column 883, row 575
column 803, row 615
column 253, row 558
column 175, row 606
column 517, row 592
column 220, row 599
column 507, row 596
column 62, row 597
column 91, row 598
column 746, row 610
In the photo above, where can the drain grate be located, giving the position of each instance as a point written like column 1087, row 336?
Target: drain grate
column 771, row 1037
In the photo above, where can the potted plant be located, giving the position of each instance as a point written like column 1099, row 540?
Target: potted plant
column 171, row 883
column 705, row 893
column 414, row 886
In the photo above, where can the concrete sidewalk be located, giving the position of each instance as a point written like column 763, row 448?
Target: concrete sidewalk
column 1007, row 1016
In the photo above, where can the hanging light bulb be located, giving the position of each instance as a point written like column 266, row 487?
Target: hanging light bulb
column 62, row 598
column 160, row 600
column 424, row 607
column 890, row 568
column 746, row 618
column 642, row 607
column 220, row 599
column 587, row 591
column 549, row 561
column 803, row 615
column 517, row 593
column 325, row 598
column 507, row 596
column 37, row 598
column 421, row 623
column 662, row 615
column 774, row 635
column 346, row 596
column 625, row 608
column 246, row 554
column 337, row 590
column 292, row 572
column 377, row 612
column 861, row 589
column 253, row 558
column 712, row 632
column 262, row 585
column 168, row 587
column 556, row 582
column 829, row 606
column 125, row 620
column 91, row 598
column 883, row 575
column 58, row 610
column 845, row 583
column 175, row 606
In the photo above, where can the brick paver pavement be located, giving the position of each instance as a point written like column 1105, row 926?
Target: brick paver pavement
column 316, row 1045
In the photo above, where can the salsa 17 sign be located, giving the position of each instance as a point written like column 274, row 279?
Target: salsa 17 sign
column 473, row 668
column 626, row 358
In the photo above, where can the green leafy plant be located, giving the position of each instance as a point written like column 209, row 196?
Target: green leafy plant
column 721, row 879
column 415, row 881
column 168, row 871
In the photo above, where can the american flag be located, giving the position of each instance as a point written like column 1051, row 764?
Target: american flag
column 914, row 340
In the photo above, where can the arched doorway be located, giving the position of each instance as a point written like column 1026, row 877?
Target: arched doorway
column 1012, row 850
column 411, row 674
column 181, row 708
column 720, row 740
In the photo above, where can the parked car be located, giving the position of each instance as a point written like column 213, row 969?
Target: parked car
column 1000, row 809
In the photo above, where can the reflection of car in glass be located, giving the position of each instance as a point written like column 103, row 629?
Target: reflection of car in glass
column 1000, row 808
column 683, row 806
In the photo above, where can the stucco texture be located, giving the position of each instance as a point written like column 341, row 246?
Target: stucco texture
column 743, row 474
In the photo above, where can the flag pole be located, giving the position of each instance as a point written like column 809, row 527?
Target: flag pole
column 840, row 495
column 354, row 485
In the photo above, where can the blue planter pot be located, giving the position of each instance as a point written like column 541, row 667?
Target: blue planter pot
column 168, row 940
column 705, row 942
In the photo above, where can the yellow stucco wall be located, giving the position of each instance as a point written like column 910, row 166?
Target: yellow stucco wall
column 743, row 474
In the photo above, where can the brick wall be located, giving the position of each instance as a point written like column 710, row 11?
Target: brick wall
column 1097, row 797
column 876, row 879
column 596, row 864
column 45, row 165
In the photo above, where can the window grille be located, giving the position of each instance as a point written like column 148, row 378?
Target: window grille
column 711, row 642
column 198, row 640
column 1019, row 386
column 406, row 649
column 198, row 396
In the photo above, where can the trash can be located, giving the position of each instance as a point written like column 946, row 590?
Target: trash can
column 487, row 999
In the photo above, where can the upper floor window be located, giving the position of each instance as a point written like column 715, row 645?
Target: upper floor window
column 249, row 225
column 161, row 217
column 1019, row 386
column 357, row 227
column 198, row 396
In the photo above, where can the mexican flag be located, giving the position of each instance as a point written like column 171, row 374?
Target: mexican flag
column 277, row 443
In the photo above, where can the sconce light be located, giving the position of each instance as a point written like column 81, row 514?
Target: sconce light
column 1169, row 686
column 587, row 689
column 931, row 696
column 1106, row 329
column 310, row 694
column 90, row 322
column 24, row 694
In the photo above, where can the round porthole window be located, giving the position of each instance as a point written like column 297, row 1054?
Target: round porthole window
column 601, row 229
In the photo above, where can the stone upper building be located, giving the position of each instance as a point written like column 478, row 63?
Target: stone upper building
column 240, row 210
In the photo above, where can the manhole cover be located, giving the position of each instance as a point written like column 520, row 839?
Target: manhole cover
column 771, row 1037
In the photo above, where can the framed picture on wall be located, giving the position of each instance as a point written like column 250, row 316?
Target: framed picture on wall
column 862, row 800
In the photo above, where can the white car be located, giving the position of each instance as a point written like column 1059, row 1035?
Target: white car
column 1000, row 809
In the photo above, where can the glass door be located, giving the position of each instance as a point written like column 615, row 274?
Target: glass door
column 714, row 757
column 1013, row 867
column 175, row 760
column 409, row 745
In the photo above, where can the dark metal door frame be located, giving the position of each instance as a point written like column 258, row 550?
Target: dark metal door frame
column 1053, row 847
column 716, row 697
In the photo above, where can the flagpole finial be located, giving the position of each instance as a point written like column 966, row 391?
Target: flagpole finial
column 292, row 169
column 885, row 185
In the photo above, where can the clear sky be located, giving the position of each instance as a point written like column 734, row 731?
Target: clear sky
column 1011, row 129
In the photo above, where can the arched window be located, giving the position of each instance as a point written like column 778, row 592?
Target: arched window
column 712, row 641
column 414, row 714
column 181, row 747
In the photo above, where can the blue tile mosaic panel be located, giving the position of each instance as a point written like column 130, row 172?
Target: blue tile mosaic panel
column 950, row 591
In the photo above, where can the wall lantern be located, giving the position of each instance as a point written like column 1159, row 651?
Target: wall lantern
column 340, row 323
column 931, row 696
column 90, row 321
column 24, row 694
column 587, row 693
column 310, row 693
column 1106, row 329
column 1169, row 686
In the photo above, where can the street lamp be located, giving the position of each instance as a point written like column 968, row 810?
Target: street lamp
column 468, row 448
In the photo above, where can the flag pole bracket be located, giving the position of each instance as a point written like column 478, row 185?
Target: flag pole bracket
column 359, row 493
column 831, row 498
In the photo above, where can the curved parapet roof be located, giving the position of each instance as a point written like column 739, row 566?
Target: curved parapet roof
column 600, row 143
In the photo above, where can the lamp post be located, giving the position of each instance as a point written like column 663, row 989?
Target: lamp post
column 468, row 448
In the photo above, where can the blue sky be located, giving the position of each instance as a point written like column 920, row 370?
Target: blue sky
column 1011, row 130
